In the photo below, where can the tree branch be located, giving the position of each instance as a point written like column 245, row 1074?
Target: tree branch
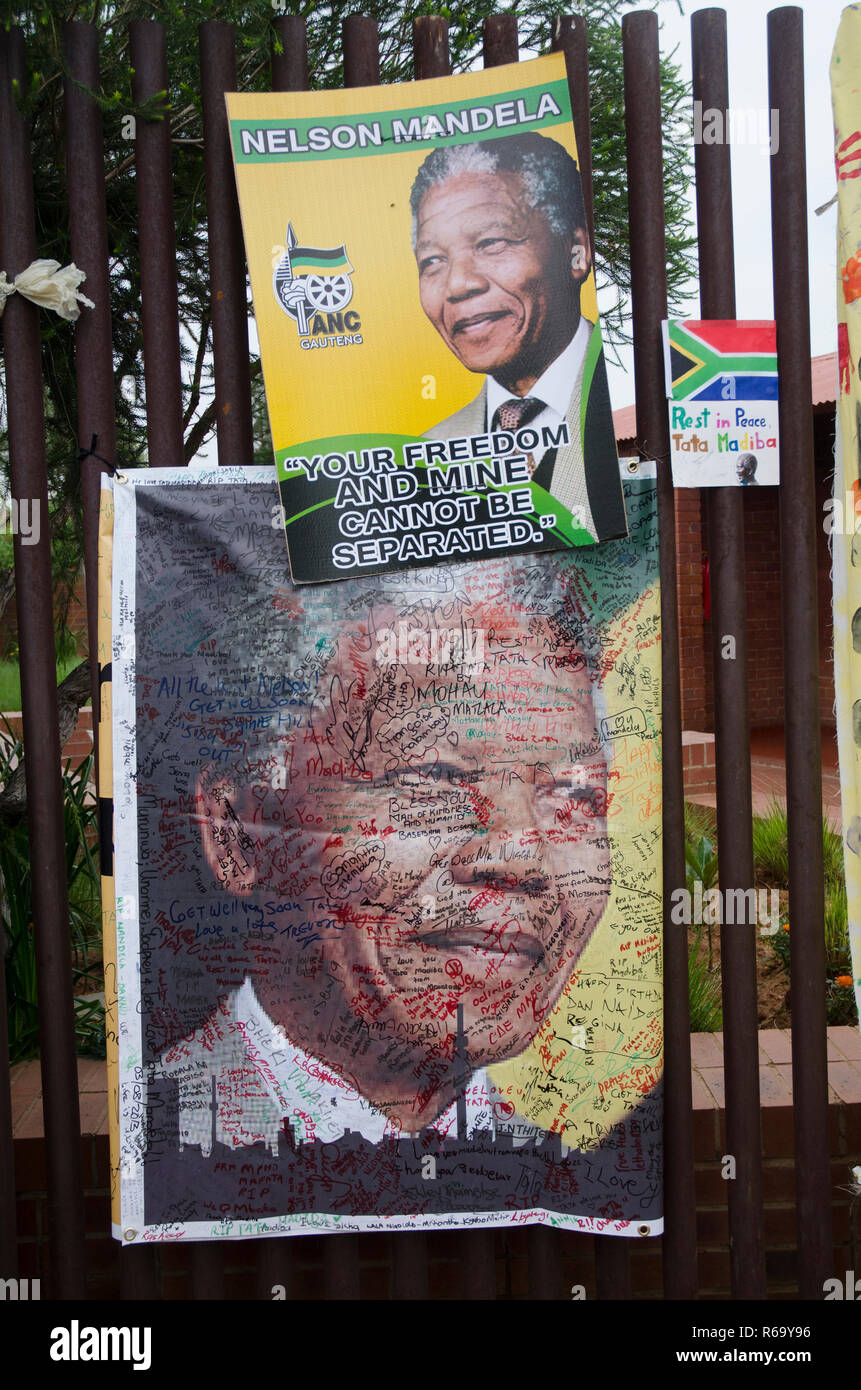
column 203, row 426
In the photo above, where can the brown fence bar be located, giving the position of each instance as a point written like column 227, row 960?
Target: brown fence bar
column 798, row 534
column 612, row 1257
column 159, row 311
column 228, row 304
column 499, row 40
column 569, row 37
column 290, row 74
column 649, row 306
column 430, row 47
column 290, row 66
column 94, row 361
column 724, row 509
column 409, row 1249
column 360, row 38
column 8, row 1215
column 94, row 374
column 34, row 596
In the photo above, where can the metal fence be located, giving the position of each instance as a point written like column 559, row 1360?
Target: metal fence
column 277, row 1258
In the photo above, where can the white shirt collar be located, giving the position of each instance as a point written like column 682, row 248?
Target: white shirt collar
column 554, row 387
column 284, row 1062
column 262, row 1076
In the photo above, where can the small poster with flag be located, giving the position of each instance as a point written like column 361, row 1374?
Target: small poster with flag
column 721, row 377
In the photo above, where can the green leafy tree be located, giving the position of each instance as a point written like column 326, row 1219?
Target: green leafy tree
column 253, row 21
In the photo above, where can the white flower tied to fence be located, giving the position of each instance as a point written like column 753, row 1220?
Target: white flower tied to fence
column 50, row 285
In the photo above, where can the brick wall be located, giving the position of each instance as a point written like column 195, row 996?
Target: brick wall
column 695, row 671
column 698, row 762
column 762, row 570
column 78, row 746
column 764, row 630
column 76, row 620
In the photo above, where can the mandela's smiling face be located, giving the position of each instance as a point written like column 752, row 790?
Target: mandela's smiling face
column 499, row 285
column 440, row 844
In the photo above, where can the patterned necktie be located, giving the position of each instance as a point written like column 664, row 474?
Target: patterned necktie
column 516, row 414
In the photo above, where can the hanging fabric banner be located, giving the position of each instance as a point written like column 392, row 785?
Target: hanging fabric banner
column 846, row 510
column 424, row 292
column 386, row 905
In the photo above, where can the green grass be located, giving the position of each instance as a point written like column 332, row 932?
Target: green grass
column 704, row 988
column 700, row 822
column 10, row 681
column 80, row 824
column 771, row 846
column 837, row 931
column 771, row 849
column 832, row 854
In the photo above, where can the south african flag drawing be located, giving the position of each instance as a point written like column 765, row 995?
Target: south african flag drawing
column 720, row 359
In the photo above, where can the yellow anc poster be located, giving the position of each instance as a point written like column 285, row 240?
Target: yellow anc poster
column 846, row 511
column 424, row 293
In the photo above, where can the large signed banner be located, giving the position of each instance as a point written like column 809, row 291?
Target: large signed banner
column 387, row 882
column 422, row 276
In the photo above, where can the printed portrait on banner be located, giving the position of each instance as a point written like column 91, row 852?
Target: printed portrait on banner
column 387, row 883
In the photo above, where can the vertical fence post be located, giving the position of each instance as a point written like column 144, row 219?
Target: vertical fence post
column 162, row 368
column 725, row 522
column 612, row 1256
column 8, row 1216
column 94, row 375
column 159, row 308
column 499, row 40
column 34, row 597
column 570, row 37
column 290, row 65
column 228, row 304
column 649, row 303
column 290, row 74
column 409, row 1250
column 798, row 536
column 94, row 361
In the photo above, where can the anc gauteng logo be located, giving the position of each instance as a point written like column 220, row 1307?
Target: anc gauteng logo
column 313, row 286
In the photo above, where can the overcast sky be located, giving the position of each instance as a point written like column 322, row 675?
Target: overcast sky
column 748, row 87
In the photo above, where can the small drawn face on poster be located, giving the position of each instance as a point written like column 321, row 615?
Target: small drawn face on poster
column 434, row 844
